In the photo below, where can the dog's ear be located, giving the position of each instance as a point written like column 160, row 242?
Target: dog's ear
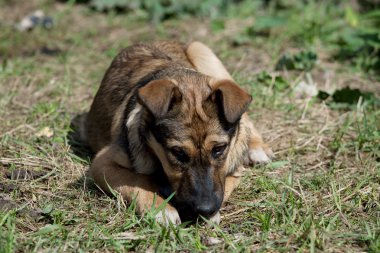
column 233, row 99
column 158, row 96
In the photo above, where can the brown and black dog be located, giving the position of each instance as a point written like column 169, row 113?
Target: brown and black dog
column 169, row 118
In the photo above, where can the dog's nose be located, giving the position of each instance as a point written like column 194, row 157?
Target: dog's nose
column 205, row 209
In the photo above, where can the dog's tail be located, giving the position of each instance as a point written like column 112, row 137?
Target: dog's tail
column 78, row 128
column 82, row 127
column 205, row 61
column 77, row 137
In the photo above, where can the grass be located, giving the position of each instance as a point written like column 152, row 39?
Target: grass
column 321, row 193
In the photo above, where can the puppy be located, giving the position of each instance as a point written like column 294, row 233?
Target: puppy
column 168, row 118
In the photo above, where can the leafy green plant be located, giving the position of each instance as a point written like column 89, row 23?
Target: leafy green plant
column 277, row 82
column 164, row 9
column 359, row 42
column 264, row 25
column 346, row 98
column 304, row 60
column 352, row 33
column 106, row 5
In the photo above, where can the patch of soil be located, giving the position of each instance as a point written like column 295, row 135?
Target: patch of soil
column 7, row 204
column 23, row 174
column 7, row 187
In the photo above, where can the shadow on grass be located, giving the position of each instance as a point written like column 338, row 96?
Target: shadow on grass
column 86, row 184
column 81, row 149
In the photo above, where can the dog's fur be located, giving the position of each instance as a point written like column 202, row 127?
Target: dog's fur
column 169, row 118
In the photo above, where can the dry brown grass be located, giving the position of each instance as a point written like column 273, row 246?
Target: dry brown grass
column 320, row 194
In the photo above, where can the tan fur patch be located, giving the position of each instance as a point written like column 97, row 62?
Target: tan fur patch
column 206, row 61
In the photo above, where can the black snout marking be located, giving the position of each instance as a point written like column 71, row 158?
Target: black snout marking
column 206, row 209
column 200, row 194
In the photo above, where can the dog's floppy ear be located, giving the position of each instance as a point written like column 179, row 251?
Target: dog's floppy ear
column 234, row 100
column 158, row 95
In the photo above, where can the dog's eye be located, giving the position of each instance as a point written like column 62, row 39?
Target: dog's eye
column 218, row 151
column 180, row 154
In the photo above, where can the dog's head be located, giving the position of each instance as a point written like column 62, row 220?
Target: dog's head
column 194, row 127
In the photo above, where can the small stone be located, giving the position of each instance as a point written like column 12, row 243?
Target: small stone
column 304, row 89
column 210, row 241
column 34, row 19
column 45, row 132
column 47, row 22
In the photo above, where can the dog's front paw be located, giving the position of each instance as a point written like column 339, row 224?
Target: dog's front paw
column 215, row 218
column 168, row 215
column 260, row 155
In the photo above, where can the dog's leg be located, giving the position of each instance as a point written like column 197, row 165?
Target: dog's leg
column 258, row 150
column 231, row 183
column 109, row 170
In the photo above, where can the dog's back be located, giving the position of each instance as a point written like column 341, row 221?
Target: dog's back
column 132, row 68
